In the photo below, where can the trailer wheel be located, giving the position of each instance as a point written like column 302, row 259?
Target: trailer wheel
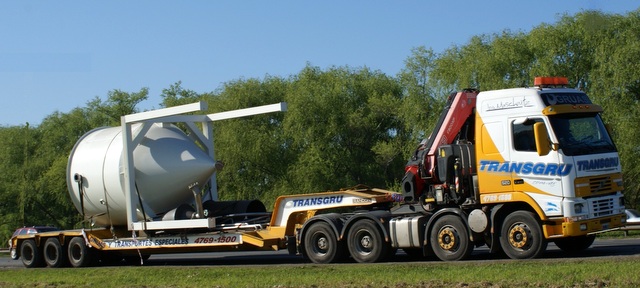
column 575, row 244
column 79, row 254
column 321, row 244
column 31, row 255
column 54, row 253
column 450, row 239
column 521, row 236
column 366, row 242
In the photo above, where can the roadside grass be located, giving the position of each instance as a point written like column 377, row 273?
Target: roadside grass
column 605, row 272
column 620, row 234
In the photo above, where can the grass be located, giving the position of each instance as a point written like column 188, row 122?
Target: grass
column 605, row 272
column 620, row 234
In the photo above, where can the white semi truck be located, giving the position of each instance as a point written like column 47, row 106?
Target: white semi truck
column 511, row 169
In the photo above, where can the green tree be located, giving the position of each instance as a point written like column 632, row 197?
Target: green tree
column 487, row 62
column 423, row 98
column 615, row 84
column 15, row 147
column 253, row 149
column 337, row 121
column 176, row 95
column 118, row 103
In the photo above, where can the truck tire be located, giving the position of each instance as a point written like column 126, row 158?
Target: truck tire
column 366, row 243
column 31, row 254
column 79, row 254
column 321, row 244
column 575, row 244
column 450, row 239
column 521, row 236
column 54, row 253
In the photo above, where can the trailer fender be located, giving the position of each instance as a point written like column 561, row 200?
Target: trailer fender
column 381, row 218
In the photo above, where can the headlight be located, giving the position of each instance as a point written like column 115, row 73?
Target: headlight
column 577, row 208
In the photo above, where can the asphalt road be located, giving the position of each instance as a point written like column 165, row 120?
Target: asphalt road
column 627, row 247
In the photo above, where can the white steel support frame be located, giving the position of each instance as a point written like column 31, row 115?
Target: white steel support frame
column 203, row 137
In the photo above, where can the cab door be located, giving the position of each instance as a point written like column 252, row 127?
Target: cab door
column 539, row 176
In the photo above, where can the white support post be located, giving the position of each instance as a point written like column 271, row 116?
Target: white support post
column 207, row 130
column 129, row 173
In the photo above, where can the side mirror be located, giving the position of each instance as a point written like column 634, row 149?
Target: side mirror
column 542, row 138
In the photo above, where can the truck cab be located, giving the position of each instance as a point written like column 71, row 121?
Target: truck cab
column 547, row 146
column 519, row 167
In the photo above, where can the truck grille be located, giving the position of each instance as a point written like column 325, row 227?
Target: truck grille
column 601, row 207
column 600, row 185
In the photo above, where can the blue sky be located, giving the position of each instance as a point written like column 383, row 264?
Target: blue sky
column 58, row 55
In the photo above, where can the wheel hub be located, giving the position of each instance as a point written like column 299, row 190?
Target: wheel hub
column 518, row 236
column 447, row 239
column 366, row 242
column 322, row 243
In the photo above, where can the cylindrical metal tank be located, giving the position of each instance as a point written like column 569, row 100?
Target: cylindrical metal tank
column 166, row 162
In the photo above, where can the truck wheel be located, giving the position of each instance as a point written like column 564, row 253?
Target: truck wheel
column 366, row 242
column 575, row 244
column 450, row 239
column 79, row 254
column 31, row 255
column 321, row 244
column 54, row 253
column 521, row 236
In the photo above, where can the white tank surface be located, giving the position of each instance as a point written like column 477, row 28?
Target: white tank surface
column 166, row 162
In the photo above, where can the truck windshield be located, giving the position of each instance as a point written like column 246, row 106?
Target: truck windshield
column 581, row 134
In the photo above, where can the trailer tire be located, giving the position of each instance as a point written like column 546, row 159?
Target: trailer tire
column 31, row 255
column 321, row 244
column 575, row 244
column 54, row 253
column 79, row 254
column 450, row 239
column 521, row 236
column 366, row 242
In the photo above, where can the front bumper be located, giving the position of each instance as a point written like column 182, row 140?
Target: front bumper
column 555, row 228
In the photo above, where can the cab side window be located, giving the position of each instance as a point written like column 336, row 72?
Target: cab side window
column 523, row 138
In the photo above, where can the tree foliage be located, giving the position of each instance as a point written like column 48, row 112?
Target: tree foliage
column 344, row 126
